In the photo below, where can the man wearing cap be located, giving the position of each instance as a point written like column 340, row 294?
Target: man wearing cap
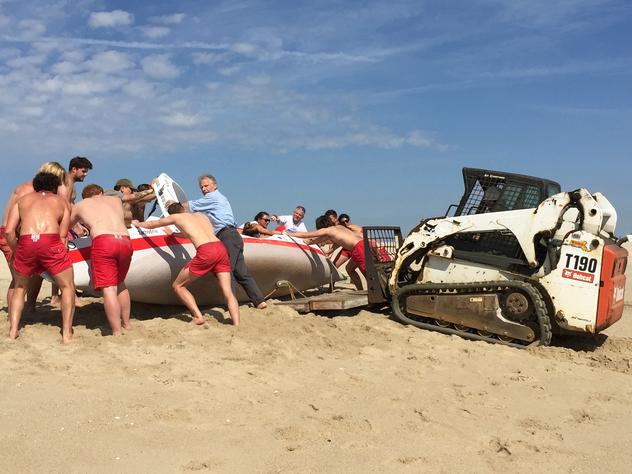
column 130, row 196
column 217, row 208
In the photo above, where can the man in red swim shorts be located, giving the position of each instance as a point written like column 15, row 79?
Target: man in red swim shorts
column 211, row 256
column 110, row 253
column 342, row 237
column 43, row 219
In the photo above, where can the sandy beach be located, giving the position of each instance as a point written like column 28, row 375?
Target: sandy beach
column 285, row 392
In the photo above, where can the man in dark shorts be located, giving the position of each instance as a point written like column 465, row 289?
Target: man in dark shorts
column 110, row 253
column 211, row 256
column 43, row 219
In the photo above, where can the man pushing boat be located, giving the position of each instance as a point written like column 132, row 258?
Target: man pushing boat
column 111, row 252
column 211, row 256
column 342, row 237
column 217, row 209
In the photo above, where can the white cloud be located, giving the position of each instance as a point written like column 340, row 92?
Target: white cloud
column 244, row 48
column 30, row 29
column 139, row 89
column 110, row 19
column 229, row 71
column 89, row 84
column 155, row 31
column 33, row 111
column 179, row 119
column 26, row 61
column 48, row 85
column 109, row 62
column 4, row 21
column 9, row 53
column 160, row 67
column 419, row 138
column 174, row 19
column 65, row 67
column 209, row 58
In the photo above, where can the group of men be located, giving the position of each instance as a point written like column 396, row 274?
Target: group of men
column 41, row 216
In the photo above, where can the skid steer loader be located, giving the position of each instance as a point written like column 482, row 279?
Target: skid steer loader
column 514, row 262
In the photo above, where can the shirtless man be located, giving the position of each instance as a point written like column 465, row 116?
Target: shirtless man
column 344, row 238
column 110, row 254
column 211, row 256
column 344, row 254
column 43, row 219
column 78, row 169
column 131, row 197
column 23, row 189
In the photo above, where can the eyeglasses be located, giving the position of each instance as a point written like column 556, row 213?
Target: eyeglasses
column 344, row 221
column 265, row 219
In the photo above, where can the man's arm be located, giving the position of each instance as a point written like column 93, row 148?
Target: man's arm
column 162, row 222
column 307, row 235
column 64, row 224
column 74, row 215
column 13, row 220
column 138, row 196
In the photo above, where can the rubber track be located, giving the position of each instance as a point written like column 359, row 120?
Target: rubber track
column 544, row 321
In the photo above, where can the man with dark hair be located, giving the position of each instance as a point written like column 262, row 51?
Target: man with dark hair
column 110, row 254
column 43, row 219
column 77, row 171
column 217, row 208
column 211, row 256
column 293, row 223
column 332, row 216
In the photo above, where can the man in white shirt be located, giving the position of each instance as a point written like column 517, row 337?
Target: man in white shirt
column 293, row 223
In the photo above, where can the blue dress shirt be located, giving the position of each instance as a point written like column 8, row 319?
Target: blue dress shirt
column 217, row 209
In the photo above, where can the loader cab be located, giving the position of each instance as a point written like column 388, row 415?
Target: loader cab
column 495, row 191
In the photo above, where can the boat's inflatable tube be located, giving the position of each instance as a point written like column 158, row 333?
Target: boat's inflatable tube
column 158, row 258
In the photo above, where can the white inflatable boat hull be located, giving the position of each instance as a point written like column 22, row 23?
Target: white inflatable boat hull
column 158, row 258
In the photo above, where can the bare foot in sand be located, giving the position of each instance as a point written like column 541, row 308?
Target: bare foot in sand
column 197, row 321
column 262, row 305
column 127, row 326
column 13, row 334
column 66, row 338
column 55, row 300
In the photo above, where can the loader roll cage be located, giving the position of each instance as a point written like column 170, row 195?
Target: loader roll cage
column 495, row 191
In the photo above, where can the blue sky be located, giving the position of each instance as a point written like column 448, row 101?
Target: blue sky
column 366, row 107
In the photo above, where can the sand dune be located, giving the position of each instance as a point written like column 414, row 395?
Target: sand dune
column 291, row 393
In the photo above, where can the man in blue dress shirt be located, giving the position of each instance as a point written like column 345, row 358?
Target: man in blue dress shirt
column 215, row 205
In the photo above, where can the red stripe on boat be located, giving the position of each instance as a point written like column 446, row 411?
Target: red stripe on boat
column 157, row 241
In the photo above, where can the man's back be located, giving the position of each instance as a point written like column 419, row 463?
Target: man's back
column 196, row 226
column 102, row 215
column 20, row 191
column 41, row 213
column 342, row 236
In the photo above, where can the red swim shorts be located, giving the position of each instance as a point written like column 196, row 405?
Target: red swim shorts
column 357, row 255
column 345, row 253
column 4, row 245
column 210, row 257
column 37, row 253
column 110, row 256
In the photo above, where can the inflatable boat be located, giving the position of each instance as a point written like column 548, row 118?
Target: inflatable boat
column 279, row 264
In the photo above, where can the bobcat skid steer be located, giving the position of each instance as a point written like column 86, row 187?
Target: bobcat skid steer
column 517, row 262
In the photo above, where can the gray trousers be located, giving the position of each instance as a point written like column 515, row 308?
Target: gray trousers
column 235, row 246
